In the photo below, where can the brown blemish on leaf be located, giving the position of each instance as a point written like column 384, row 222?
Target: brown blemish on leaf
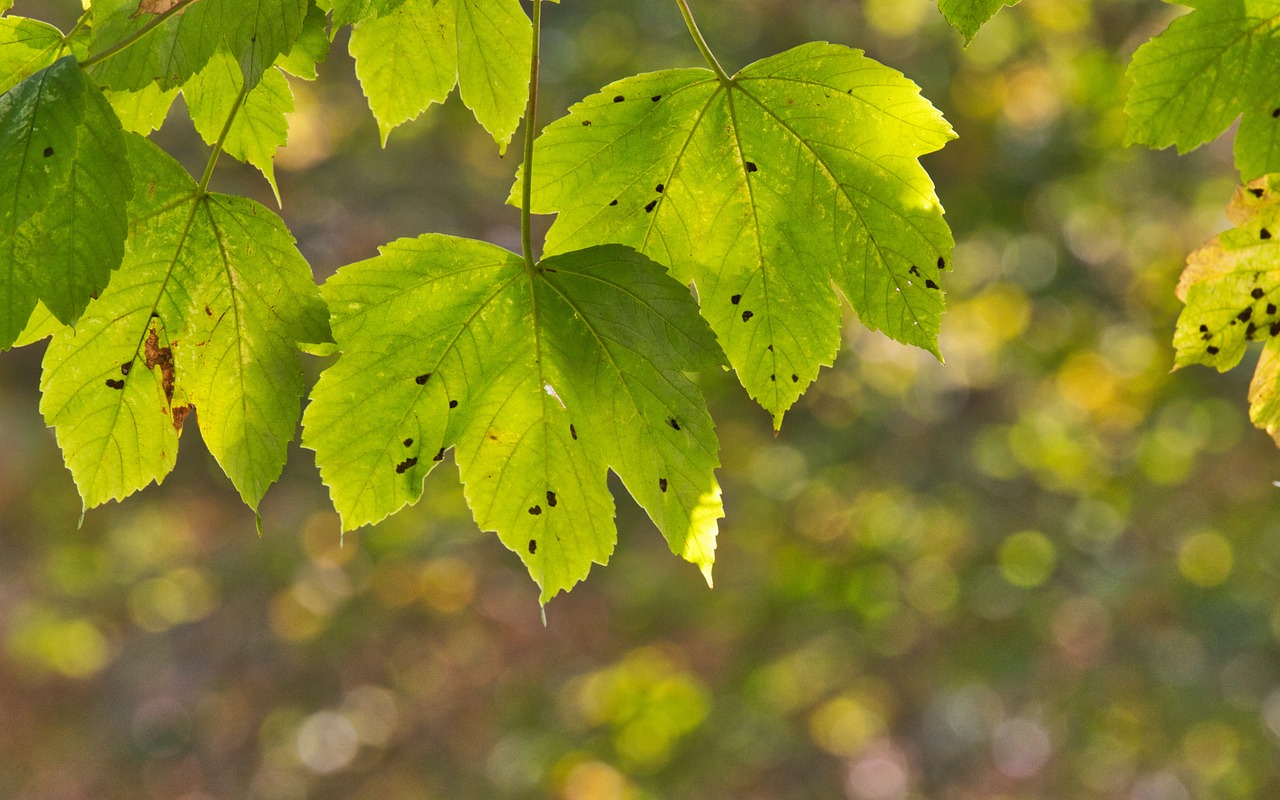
column 406, row 465
column 162, row 357
column 180, row 416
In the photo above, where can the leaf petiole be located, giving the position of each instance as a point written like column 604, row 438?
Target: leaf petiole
column 530, row 120
column 130, row 40
column 702, row 43
column 202, row 189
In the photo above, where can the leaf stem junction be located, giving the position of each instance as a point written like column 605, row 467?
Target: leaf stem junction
column 702, row 42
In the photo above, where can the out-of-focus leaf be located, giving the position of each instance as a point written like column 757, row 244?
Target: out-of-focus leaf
column 968, row 16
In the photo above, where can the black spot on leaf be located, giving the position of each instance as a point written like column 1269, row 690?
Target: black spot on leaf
column 1257, row 293
column 659, row 188
column 453, row 404
column 737, row 298
column 929, row 284
column 551, row 498
column 769, row 348
column 1271, row 308
column 439, row 456
column 1264, row 234
column 614, row 203
column 746, row 316
column 673, row 423
column 421, row 380
column 406, row 465
column 1244, row 316
column 914, row 270
column 656, row 98
column 942, row 263
column 115, row 384
column 662, row 484
column 533, row 546
column 1256, row 192
column 649, row 207
column 126, row 367
column 1204, row 328
column 1275, row 114
column 586, row 123
column 48, row 151
column 1211, row 350
column 619, row 99
column 408, row 443
column 773, row 377
column 536, row 510
column 573, row 432
column 1275, row 328
column 795, row 378
column 751, row 167
column 1250, row 331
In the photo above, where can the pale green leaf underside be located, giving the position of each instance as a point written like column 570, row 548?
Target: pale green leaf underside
column 967, row 16
column 1231, row 288
column 310, row 48
column 26, row 47
column 800, row 174
column 1205, row 70
column 255, row 32
column 540, row 384
column 142, row 111
column 204, row 314
column 258, row 130
column 64, row 183
column 414, row 56
column 348, row 12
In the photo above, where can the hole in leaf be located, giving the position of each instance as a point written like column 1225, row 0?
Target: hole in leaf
column 406, row 465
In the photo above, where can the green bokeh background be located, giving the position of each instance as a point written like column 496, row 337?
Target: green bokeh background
column 1044, row 570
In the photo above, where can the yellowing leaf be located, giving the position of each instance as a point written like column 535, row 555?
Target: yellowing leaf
column 1231, row 288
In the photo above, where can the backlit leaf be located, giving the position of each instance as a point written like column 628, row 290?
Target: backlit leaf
column 1205, row 70
column 967, row 16
column 1231, row 287
column 26, row 47
column 204, row 316
column 255, row 32
column 258, row 130
column 413, row 57
column 540, row 383
column 799, row 174
column 64, row 184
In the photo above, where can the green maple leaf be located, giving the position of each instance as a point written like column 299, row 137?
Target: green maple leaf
column 310, row 48
column 541, row 383
column 65, row 183
column 799, row 173
column 1231, row 287
column 26, row 47
column 258, row 130
column 255, row 32
column 348, row 12
column 142, row 111
column 413, row 56
column 1205, row 70
column 204, row 315
column 967, row 16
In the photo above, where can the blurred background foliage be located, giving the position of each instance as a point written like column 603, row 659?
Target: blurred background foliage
column 1044, row 570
